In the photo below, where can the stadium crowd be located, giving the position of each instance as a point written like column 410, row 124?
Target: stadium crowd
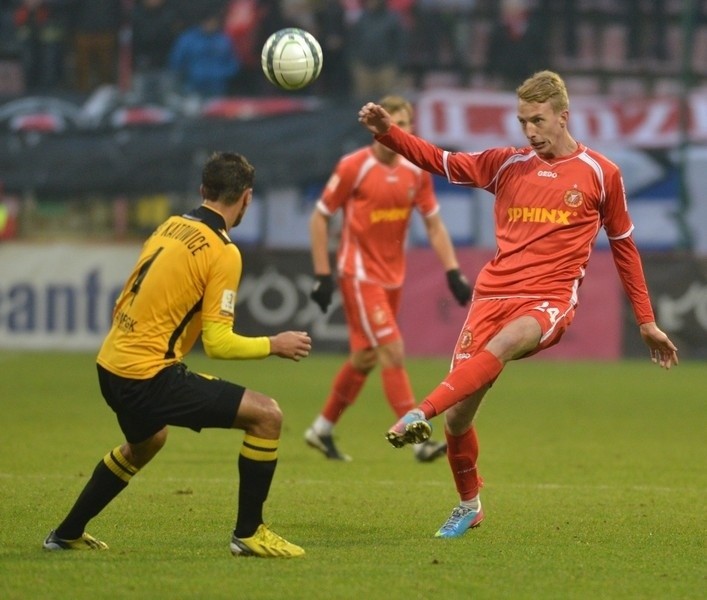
column 371, row 47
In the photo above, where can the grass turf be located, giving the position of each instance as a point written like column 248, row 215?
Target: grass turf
column 595, row 484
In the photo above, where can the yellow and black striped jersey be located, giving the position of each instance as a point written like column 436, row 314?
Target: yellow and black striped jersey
column 188, row 272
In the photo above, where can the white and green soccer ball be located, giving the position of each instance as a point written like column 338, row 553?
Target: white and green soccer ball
column 291, row 58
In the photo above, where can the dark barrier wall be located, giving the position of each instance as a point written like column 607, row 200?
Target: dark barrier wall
column 274, row 296
column 287, row 150
column 678, row 287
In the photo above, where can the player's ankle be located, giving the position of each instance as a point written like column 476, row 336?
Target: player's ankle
column 427, row 409
column 473, row 503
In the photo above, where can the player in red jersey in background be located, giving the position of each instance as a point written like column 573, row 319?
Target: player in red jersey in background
column 376, row 190
column 551, row 198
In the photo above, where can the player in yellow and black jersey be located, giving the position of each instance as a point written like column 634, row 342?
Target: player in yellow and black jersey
column 185, row 284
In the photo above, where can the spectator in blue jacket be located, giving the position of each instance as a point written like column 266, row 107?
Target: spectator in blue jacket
column 203, row 58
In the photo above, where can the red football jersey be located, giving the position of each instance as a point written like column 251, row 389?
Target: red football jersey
column 377, row 201
column 548, row 213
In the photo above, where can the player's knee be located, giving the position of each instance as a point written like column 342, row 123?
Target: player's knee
column 391, row 355
column 268, row 421
column 159, row 440
column 364, row 361
column 272, row 413
column 515, row 340
column 142, row 453
column 259, row 415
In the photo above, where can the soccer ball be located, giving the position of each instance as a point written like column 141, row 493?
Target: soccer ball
column 291, row 58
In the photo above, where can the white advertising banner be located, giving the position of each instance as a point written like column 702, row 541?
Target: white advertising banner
column 60, row 296
column 473, row 120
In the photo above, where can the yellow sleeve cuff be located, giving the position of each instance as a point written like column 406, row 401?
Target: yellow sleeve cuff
column 221, row 342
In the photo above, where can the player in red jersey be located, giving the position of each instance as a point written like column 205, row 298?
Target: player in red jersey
column 376, row 190
column 551, row 198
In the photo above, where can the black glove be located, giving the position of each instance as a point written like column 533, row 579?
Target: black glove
column 322, row 291
column 459, row 286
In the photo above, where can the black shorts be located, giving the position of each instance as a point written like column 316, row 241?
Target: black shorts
column 175, row 396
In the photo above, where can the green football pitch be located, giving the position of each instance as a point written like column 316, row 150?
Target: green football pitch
column 596, row 478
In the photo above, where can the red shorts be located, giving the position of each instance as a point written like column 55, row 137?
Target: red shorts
column 370, row 313
column 487, row 316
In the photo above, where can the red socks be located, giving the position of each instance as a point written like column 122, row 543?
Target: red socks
column 465, row 379
column 398, row 390
column 347, row 384
column 462, row 452
column 349, row 381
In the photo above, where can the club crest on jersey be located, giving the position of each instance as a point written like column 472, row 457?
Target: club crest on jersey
column 466, row 339
column 379, row 316
column 228, row 303
column 574, row 198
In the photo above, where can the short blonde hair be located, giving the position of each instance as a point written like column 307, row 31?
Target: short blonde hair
column 393, row 104
column 545, row 86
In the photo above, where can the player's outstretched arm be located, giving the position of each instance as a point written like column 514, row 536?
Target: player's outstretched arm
column 294, row 345
column 663, row 351
column 375, row 118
